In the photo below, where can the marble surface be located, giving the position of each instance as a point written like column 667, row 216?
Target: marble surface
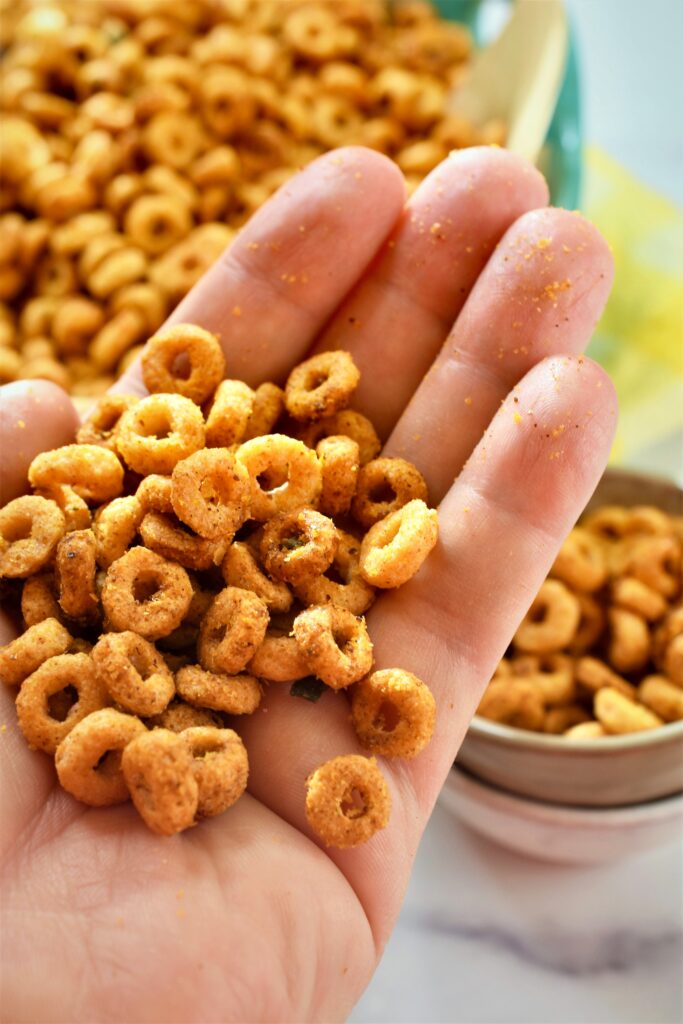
column 488, row 936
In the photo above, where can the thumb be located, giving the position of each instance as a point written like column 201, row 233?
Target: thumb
column 34, row 415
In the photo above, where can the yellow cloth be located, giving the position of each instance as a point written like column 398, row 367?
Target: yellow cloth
column 640, row 337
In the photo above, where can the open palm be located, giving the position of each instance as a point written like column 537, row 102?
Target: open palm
column 466, row 311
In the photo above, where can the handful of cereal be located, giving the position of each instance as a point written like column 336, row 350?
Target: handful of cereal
column 600, row 652
column 180, row 557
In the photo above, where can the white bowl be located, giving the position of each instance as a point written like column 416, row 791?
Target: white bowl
column 563, row 835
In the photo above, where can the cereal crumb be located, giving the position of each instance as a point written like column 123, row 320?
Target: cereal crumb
column 21, row 424
column 468, row 400
column 517, row 417
column 237, row 311
column 543, row 243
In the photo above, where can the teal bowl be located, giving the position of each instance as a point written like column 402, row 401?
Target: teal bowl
column 561, row 157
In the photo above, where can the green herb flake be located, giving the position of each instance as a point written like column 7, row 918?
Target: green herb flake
column 310, row 688
column 292, row 543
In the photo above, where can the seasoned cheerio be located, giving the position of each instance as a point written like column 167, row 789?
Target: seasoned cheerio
column 166, row 579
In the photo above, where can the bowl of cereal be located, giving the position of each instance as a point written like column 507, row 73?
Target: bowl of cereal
column 586, row 708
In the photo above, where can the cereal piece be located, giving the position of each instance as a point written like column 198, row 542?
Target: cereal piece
column 384, row 486
column 647, row 520
column 75, row 568
column 393, row 713
column 157, row 768
column 146, row 593
column 154, row 494
column 321, row 386
column 297, row 546
column 39, row 600
column 21, row 657
column 160, row 431
column 183, row 359
column 88, row 760
column 155, row 223
column 393, row 549
column 234, row 694
column 608, row 522
column 629, row 643
column 347, row 423
column 342, row 584
column 220, row 765
column 179, row 716
column 227, row 419
column 551, row 622
column 231, row 630
column 30, row 529
column 552, row 673
column 558, row 720
column 240, row 569
column 133, row 672
column 269, row 404
column 347, row 801
column 211, row 492
column 279, row 659
column 617, row 714
column 335, row 644
column 284, row 474
column 591, row 625
column 656, row 562
column 94, row 473
column 101, row 425
column 586, row 731
column 114, row 528
column 667, row 646
column 339, row 464
column 44, row 721
column 662, row 697
column 171, row 539
column 629, row 593
column 515, row 702
column 580, row 562
column 74, row 508
column 594, row 674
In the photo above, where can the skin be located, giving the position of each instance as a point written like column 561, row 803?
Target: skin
column 470, row 345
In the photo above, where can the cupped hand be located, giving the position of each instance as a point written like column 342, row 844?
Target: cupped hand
column 466, row 310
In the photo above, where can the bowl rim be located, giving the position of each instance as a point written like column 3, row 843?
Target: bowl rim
column 550, row 743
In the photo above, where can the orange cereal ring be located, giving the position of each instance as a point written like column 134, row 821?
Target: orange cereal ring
column 88, row 760
column 157, row 768
column 339, row 464
column 648, row 520
column 515, row 702
column 559, row 720
column 220, row 765
column 592, row 622
column 347, row 423
column 233, row 694
column 211, row 492
column 74, row 508
column 279, row 659
column 551, row 622
column 133, row 672
column 23, row 656
column 594, row 674
column 146, row 593
column 170, row 538
column 393, row 713
column 656, row 562
column 394, row 548
column 183, row 359
column 299, row 545
column 94, row 473
column 160, row 431
column 179, row 716
column 335, row 644
column 45, row 722
column 321, row 386
column 580, row 562
column 384, row 486
column 39, row 600
column 284, row 473
column 241, row 569
column 662, row 697
column 227, row 419
column 618, row 714
column 609, row 522
column 628, row 647
column 628, row 592
column 154, row 494
column 75, row 569
column 156, row 222
column 553, row 674
column 101, row 425
column 268, row 406
column 114, row 528
column 347, row 801
column 342, row 584
column 231, row 630
column 30, row 529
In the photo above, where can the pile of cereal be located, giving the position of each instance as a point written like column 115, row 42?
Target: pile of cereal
column 180, row 557
column 600, row 652
column 138, row 135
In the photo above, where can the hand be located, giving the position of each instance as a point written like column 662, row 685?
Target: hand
column 466, row 311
